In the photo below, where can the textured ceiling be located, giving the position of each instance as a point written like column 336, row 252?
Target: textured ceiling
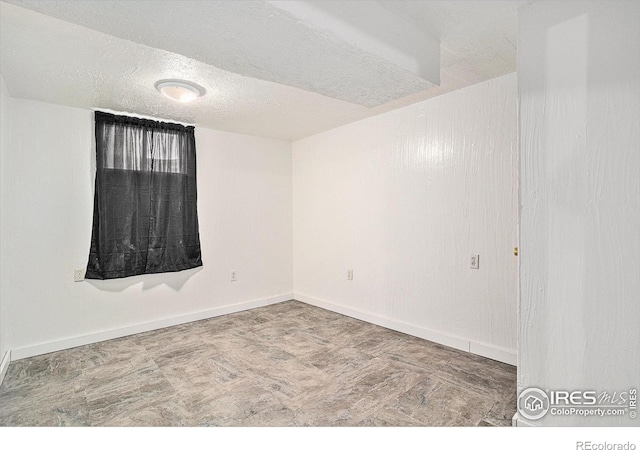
column 269, row 69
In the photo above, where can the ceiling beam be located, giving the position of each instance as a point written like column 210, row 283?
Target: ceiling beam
column 372, row 29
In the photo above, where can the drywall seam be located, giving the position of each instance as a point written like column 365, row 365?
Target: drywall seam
column 4, row 365
column 5, row 138
column 457, row 342
column 64, row 344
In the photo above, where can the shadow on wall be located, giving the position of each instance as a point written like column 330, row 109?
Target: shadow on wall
column 175, row 280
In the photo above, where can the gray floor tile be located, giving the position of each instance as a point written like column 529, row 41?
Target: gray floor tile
column 288, row 364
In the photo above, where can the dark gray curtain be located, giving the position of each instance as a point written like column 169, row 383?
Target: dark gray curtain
column 144, row 215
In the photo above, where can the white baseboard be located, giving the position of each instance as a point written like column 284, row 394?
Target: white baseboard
column 493, row 352
column 4, row 365
column 496, row 353
column 76, row 341
column 488, row 351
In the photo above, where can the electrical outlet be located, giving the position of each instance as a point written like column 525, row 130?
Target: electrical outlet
column 234, row 275
column 350, row 274
column 475, row 261
column 78, row 275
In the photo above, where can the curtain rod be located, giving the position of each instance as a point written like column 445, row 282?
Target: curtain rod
column 142, row 116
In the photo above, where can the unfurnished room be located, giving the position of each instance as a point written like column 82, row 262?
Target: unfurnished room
column 340, row 214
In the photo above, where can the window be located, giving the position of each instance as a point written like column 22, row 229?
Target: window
column 145, row 218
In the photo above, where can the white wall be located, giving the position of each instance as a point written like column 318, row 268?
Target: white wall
column 5, row 121
column 404, row 199
column 579, row 89
column 244, row 205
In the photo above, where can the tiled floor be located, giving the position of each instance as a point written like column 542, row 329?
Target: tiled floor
column 288, row 364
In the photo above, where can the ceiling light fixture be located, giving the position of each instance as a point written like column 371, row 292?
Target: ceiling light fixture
column 179, row 90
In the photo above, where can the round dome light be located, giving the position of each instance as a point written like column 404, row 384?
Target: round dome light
column 179, row 90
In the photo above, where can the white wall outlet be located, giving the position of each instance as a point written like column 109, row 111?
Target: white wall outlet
column 475, row 261
column 234, row 275
column 350, row 274
column 78, row 275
